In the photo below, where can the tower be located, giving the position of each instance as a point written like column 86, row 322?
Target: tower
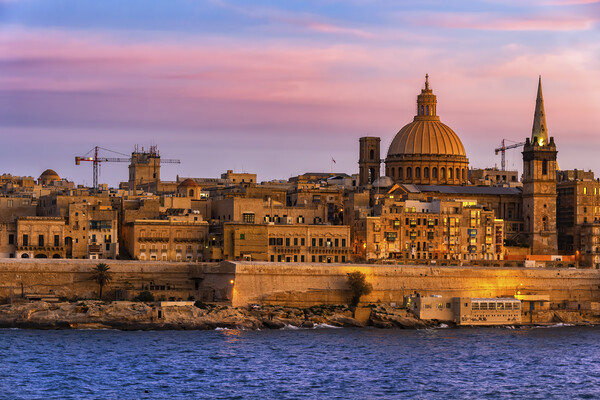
column 369, row 161
column 144, row 167
column 539, row 184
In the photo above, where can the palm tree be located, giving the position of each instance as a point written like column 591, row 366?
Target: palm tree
column 101, row 275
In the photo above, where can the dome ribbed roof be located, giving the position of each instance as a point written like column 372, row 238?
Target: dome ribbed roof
column 188, row 183
column 426, row 137
column 50, row 174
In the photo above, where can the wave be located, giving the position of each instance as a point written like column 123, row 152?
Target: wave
column 557, row 325
column 326, row 326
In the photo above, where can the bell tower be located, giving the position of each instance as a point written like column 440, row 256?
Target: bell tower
column 369, row 162
column 539, row 184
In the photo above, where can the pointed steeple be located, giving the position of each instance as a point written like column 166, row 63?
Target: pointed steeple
column 540, row 129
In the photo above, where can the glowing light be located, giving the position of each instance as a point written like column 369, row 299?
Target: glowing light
column 541, row 142
column 231, row 281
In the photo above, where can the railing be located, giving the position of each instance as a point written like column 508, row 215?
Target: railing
column 46, row 247
column 329, row 250
column 152, row 239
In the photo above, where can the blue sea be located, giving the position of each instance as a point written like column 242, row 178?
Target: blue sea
column 327, row 363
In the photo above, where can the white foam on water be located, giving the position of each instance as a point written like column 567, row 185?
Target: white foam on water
column 326, row 326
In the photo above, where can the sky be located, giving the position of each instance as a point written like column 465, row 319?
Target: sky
column 280, row 88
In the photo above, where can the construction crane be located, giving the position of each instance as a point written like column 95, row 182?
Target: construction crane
column 502, row 149
column 92, row 156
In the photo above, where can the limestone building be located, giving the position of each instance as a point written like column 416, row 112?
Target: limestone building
column 286, row 243
column 177, row 238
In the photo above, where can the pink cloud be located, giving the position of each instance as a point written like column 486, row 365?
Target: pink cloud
column 493, row 22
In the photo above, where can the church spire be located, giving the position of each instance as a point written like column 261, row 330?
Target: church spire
column 540, row 129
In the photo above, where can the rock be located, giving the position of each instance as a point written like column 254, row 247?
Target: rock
column 273, row 323
column 382, row 324
column 307, row 324
column 346, row 322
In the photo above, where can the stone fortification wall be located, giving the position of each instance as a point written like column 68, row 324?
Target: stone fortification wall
column 305, row 284
column 71, row 278
column 288, row 284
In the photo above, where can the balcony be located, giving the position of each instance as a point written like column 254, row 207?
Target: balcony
column 187, row 240
column 94, row 248
column 329, row 250
column 153, row 239
column 287, row 249
column 40, row 248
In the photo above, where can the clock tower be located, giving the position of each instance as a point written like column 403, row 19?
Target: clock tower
column 539, row 184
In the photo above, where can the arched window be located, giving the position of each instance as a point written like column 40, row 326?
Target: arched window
column 392, row 172
column 544, row 223
column 426, row 172
column 434, row 173
column 426, row 110
column 457, row 174
column 372, row 154
column 450, row 173
column 191, row 193
column 400, row 175
column 418, row 172
column 442, row 173
column 422, row 110
column 408, row 173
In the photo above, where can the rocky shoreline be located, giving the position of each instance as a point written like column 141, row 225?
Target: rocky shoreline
column 129, row 316
column 91, row 314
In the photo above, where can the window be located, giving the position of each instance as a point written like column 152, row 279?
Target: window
column 242, row 236
column 11, row 239
column 107, row 246
column 320, row 242
column 56, row 240
column 314, row 242
column 248, row 218
column 302, row 242
column 40, row 240
column 25, row 240
column 343, row 242
column 287, row 241
column 545, row 167
column 295, row 241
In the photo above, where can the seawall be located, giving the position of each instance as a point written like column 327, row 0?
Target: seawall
column 302, row 285
column 294, row 285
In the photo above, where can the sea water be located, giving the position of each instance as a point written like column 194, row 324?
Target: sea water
column 485, row 363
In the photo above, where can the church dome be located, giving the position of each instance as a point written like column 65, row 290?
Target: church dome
column 49, row 175
column 188, row 183
column 426, row 137
column 426, row 151
column 383, row 182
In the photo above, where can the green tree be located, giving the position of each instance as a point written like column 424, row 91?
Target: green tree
column 101, row 275
column 357, row 281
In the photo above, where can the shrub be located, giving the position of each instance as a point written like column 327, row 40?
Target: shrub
column 145, row 297
column 357, row 281
column 201, row 305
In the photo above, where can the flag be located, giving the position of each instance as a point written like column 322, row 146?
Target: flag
column 333, row 160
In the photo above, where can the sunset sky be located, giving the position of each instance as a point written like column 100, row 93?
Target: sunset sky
column 280, row 88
